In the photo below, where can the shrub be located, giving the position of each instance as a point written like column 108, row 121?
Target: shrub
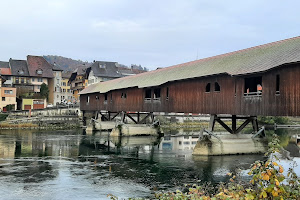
column 273, row 120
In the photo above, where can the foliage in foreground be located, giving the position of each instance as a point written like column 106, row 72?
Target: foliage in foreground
column 268, row 182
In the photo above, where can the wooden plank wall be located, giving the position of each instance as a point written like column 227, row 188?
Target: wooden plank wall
column 189, row 96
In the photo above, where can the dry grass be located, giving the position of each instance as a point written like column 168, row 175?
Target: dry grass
column 23, row 125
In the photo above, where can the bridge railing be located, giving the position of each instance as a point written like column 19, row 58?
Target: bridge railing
column 250, row 94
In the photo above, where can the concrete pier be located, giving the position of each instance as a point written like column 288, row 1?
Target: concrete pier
column 134, row 130
column 230, row 144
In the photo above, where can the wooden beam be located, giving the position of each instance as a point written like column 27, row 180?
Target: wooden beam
column 233, row 124
column 224, row 125
column 103, row 115
column 138, row 117
column 130, row 117
column 117, row 113
column 212, row 123
column 144, row 119
column 244, row 125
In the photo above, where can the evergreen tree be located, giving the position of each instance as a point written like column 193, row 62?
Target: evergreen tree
column 44, row 91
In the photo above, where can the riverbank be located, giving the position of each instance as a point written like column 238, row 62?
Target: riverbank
column 48, row 119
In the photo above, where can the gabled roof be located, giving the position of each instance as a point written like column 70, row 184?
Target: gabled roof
column 105, row 69
column 66, row 75
column 4, row 64
column 81, row 70
column 248, row 61
column 129, row 71
column 39, row 67
column 5, row 71
column 18, row 67
column 56, row 67
column 4, row 68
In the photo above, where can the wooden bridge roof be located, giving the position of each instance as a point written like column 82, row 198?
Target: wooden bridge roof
column 247, row 61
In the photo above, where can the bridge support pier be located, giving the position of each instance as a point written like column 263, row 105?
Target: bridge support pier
column 125, row 123
column 233, row 142
column 233, row 129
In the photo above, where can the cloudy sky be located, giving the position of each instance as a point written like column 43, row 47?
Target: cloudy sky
column 151, row 33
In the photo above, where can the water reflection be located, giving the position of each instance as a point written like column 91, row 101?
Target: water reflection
column 66, row 161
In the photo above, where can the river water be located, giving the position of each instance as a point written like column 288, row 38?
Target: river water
column 76, row 165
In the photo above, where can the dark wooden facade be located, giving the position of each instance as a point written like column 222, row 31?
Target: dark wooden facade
column 280, row 96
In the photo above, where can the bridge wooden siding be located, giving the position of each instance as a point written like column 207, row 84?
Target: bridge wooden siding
column 261, row 80
column 189, row 96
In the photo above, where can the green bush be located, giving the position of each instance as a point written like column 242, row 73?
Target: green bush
column 272, row 120
column 3, row 116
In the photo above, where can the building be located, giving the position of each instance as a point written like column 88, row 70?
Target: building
column 8, row 97
column 66, row 93
column 5, row 73
column 40, row 71
column 55, row 89
column 28, row 76
column 103, row 71
column 79, row 81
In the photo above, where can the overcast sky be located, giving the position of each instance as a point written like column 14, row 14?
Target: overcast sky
column 151, row 33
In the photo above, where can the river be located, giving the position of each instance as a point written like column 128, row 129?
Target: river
column 75, row 165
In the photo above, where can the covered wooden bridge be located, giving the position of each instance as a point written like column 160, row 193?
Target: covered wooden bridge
column 262, row 80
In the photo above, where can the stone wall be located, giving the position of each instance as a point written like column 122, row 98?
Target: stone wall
column 75, row 111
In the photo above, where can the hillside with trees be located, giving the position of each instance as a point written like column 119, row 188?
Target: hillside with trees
column 67, row 64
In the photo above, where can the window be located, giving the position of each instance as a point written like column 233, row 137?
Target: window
column 180, row 142
column 217, row 87
column 124, row 95
column 64, row 90
column 8, row 92
column 110, row 97
column 17, row 80
column 167, row 93
column 39, row 71
column 40, row 80
column 186, row 143
column 105, row 97
column 148, row 94
column 68, row 90
column 88, row 100
column 277, row 84
column 33, row 79
column 167, row 138
column 22, row 80
column 21, row 72
column 97, row 97
column 186, row 137
column 207, row 87
column 3, row 98
column 156, row 94
column 253, row 86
